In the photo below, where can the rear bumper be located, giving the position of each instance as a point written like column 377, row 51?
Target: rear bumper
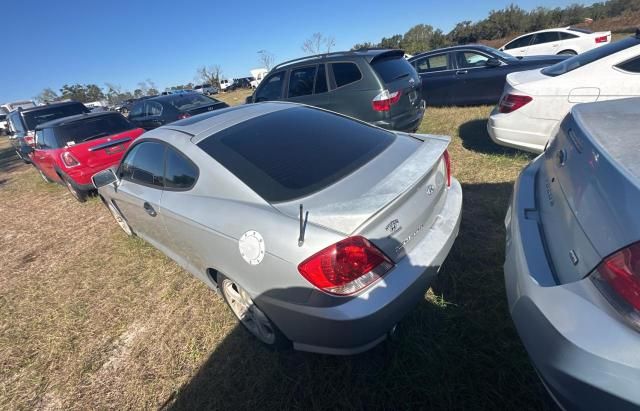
column 405, row 123
column 363, row 321
column 81, row 177
column 586, row 357
column 520, row 131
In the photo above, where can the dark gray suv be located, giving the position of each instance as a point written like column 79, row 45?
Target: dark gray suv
column 377, row 86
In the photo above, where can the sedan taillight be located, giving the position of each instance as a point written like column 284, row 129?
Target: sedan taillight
column 69, row 160
column 618, row 278
column 447, row 163
column 346, row 267
column 512, row 102
column 182, row 116
column 602, row 39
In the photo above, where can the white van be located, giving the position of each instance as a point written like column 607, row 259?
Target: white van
column 9, row 107
column 257, row 74
column 225, row 84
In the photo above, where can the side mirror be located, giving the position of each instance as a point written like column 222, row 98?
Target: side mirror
column 493, row 62
column 104, row 178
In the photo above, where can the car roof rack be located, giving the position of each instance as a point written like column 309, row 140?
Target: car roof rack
column 332, row 54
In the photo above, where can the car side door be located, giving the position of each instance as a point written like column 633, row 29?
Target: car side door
column 478, row 82
column 308, row 85
column 153, row 115
column 437, row 76
column 139, row 191
column 271, row 88
column 44, row 152
column 519, row 46
column 545, row 43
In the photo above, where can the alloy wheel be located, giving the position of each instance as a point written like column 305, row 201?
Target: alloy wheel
column 248, row 313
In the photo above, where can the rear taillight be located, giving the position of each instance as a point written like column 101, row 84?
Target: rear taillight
column 512, row 102
column 346, row 267
column 29, row 138
column 69, row 160
column 618, row 278
column 447, row 163
column 601, row 39
column 182, row 116
column 384, row 100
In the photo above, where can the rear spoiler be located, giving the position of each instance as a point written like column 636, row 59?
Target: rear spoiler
column 387, row 54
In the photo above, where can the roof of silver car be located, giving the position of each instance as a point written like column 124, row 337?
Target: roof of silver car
column 204, row 125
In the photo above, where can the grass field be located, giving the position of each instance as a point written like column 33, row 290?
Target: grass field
column 92, row 319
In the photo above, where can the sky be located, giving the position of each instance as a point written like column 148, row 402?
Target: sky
column 49, row 43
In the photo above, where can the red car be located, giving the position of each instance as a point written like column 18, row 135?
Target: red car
column 71, row 149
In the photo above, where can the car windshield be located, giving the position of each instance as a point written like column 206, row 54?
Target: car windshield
column 188, row 101
column 590, row 56
column 34, row 118
column 295, row 152
column 91, row 128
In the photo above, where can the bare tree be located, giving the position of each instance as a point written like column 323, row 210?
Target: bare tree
column 266, row 59
column 210, row 75
column 47, row 95
column 318, row 43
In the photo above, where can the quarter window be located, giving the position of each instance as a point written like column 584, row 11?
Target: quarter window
column 301, row 81
column 180, row 173
column 632, row 66
column 271, row 88
column 345, row 73
column 144, row 164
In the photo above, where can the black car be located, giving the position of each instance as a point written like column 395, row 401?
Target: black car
column 243, row 82
column 23, row 122
column 375, row 85
column 157, row 111
column 471, row 74
column 125, row 106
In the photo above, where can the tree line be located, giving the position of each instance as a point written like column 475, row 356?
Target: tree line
column 502, row 23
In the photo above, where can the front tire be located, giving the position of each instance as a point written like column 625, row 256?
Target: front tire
column 250, row 316
column 119, row 218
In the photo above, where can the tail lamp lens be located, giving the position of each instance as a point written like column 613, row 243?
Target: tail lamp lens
column 512, row 102
column 601, row 39
column 384, row 100
column 346, row 267
column 447, row 163
column 69, row 160
column 618, row 278
column 182, row 116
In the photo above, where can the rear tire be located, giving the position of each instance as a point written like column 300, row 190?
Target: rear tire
column 250, row 316
column 567, row 53
column 78, row 194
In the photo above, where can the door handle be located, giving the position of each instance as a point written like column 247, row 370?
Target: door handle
column 149, row 209
column 462, row 72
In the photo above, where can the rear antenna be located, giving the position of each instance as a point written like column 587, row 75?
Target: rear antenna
column 303, row 226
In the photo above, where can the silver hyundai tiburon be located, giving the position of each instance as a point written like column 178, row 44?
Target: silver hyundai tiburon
column 317, row 229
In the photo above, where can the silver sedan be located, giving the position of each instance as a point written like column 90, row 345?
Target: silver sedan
column 318, row 230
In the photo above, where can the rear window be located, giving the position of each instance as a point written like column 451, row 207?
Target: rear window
column 295, row 152
column 390, row 69
column 91, row 128
column 34, row 118
column 632, row 66
column 590, row 56
column 186, row 102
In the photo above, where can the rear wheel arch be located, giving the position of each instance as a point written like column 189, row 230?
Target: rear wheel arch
column 568, row 52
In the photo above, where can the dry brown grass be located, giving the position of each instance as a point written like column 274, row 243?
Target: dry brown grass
column 92, row 319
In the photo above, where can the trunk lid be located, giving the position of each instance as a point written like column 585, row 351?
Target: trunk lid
column 397, row 74
column 514, row 79
column 587, row 188
column 392, row 200
column 207, row 107
column 103, row 151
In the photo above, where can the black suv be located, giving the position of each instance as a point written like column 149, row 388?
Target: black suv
column 376, row 85
column 22, row 123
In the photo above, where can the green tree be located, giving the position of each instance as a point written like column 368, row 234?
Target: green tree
column 47, row 95
column 417, row 39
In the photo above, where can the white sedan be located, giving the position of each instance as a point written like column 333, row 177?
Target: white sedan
column 534, row 102
column 568, row 40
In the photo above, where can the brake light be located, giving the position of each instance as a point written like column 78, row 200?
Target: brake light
column 182, row 116
column 601, row 39
column 69, row 160
column 512, row 102
column 447, row 163
column 384, row 100
column 29, row 138
column 618, row 278
column 346, row 267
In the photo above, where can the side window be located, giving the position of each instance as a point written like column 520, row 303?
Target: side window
column 321, row 80
column 50, row 140
column 40, row 140
column 144, row 164
column 632, row 66
column 470, row 59
column 301, row 81
column 345, row 73
column 521, row 42
column 271, row 88
column 566, row 36
column 136, row 110
column 152, row 108
column 16, row 123
column 438, row 62
column 180, row 173
column 546, row 37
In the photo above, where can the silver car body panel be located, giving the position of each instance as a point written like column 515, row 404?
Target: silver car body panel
column 200, row 229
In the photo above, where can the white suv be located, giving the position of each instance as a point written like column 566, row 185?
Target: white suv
column 568, row 40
